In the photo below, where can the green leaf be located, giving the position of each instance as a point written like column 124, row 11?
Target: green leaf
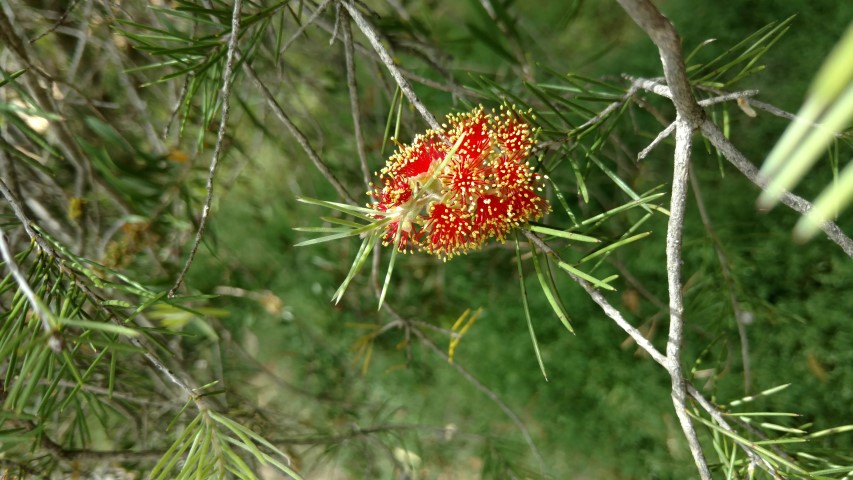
column 100, row 326
column 367, row 245
column 562, row 234
column 524, row 301
column 546, row 280
column 360, row 212
column 589, row 278
column 11, row 76
column 764, row 393
column 831, row 431
column 614, row 246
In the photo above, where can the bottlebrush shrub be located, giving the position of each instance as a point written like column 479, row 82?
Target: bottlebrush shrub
column 448, row 192
column 446, row 203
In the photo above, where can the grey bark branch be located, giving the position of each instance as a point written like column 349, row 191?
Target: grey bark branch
column 614, row 314
column 714, row 135
column 663, row 135
column 352, row 85
column 662, row 33
column 220, row 137
column 799, row 204
column 605, row 305
column 404, row 85
column 300, row 137
column 675, row 227
column 689, row 116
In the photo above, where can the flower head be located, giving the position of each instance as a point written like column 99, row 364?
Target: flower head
column 451, row 191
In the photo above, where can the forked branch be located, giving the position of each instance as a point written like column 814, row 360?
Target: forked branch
column 689, row 115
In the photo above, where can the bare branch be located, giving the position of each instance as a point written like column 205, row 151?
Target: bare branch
column 404, row 85
column 353, row 98
column 728, row 97
column 307, row 23
column 665, row 37
column 714, row 135
column 728, row 278
column 220, row 137
column 663, row 135
column 675, row 227
column 300, row 137
column 602, row 302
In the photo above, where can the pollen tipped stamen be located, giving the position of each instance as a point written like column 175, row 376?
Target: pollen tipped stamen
column 487, row 189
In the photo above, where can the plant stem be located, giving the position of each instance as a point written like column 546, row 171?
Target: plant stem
column 675, row 228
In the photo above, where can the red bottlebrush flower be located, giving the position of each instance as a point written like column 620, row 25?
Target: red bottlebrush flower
column 484, row 191
column 416, row 160
column 409, row 237
column 475, row 127
column 465, row 177
column 492, row 216
column 449, row 230
column 513, row 136
column 395, row 192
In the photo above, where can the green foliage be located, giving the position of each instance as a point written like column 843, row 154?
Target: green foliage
column 825, row 114
column 250, row 372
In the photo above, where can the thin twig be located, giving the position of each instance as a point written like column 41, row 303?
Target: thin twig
column 355, row 432
column 767, row 107
column 528, row 438
column 54, row 342
column 83, row 455
column 632, row 90
column 663, row 135
column 307, row 23
column 369, row 53
column 674, row 232
column 18, row 210
column 57, row 23
column 664, row 91
column 147, row 350
column 182, row 95
column 720, row 419
column 728, row 278
column 220, row 137
column 352, row 85
column 404, row 85
column 605, row 305
column 300, row 137
column 653, row 85
column 714, row 135
column 727, row 97
column 65, row 140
